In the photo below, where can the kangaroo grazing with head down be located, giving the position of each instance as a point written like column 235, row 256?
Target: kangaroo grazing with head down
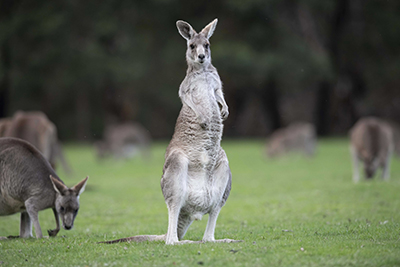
column 196, row 175
column 35, row 128
column 371, row 143
column 124, row 140
column 297, row 137
column 28, row 184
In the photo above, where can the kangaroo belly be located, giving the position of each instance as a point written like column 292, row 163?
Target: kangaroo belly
column 204, row 191
column 9, row 205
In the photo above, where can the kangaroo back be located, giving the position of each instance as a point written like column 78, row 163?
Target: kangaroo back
column 35, row 128
column 24, row 166
column 4, row 124
column 371, row 137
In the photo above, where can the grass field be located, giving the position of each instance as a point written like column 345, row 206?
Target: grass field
column 289, row 212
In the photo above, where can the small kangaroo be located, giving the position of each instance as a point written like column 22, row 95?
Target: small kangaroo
column 196, row 175
column 371, row 143
column 28, row 184
column 38, row 130
column 297, row 137
column 124, row 140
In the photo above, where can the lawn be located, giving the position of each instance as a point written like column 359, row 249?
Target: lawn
column 292, row 211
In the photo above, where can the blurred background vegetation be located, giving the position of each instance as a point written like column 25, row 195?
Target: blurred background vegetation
column 89, row 63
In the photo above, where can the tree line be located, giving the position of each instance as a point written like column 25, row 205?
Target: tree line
column 90, row 63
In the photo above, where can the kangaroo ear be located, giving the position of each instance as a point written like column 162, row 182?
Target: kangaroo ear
column 209, row 29
column 80, row 187
column 58, row 186
column 185, row 29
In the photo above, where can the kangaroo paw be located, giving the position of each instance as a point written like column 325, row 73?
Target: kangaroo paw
column 12, row 236
column 53, row 233
column 203, row 121
column 224, row 114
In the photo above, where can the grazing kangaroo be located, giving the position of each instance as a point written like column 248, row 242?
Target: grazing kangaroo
column 297, row 137
column 38, row 130
column 28, row 184
column 4, row 124
column 371, row 143
column 196, row 176
column 124, row 140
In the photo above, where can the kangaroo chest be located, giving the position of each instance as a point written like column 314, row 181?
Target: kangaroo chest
column 202, row 89
column 199, row 127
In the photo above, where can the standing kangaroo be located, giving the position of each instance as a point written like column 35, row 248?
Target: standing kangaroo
column 372, row 143
column 28, row 184
column 196, row 176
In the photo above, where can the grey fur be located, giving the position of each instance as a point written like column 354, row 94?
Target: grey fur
column 196, row 175
column 4, row 125
column 297, row 137
column 371, row 143
column 35, row 128
column 28, row 184
column 124, row 140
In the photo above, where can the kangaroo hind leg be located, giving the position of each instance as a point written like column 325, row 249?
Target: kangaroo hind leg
column 173, row 185
column 223, row 177
column 356, row 161
column 25, row 227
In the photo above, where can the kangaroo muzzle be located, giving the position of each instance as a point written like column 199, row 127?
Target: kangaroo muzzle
column 201, row 54
column 68, row 221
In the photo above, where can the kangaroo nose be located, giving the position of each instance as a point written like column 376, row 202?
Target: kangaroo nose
column 67, row 227
column 202, row 56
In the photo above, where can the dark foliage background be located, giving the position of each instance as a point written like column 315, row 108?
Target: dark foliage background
column 89, row 63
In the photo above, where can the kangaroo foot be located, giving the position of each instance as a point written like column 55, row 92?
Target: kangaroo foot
column 182, row 242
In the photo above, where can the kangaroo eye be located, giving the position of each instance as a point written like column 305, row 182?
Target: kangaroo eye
column 206, row 46
column 62, row 209
column 192, row 46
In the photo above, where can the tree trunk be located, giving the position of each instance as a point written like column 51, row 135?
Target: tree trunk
column 270, row 100
column 323, row 100
column 83, row 116
column 6, row 7
column 5, row 82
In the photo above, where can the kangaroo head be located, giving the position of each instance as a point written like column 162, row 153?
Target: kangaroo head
column 370, row 167
column 198, row 46
column 67, row 201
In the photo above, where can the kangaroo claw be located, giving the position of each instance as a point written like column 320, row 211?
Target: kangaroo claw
column 53, row 233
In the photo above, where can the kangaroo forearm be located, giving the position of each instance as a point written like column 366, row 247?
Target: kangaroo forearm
column 186, row 99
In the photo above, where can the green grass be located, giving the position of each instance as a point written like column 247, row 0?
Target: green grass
column 289, row 212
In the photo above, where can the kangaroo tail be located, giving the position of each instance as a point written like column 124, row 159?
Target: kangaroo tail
column 137, row 238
